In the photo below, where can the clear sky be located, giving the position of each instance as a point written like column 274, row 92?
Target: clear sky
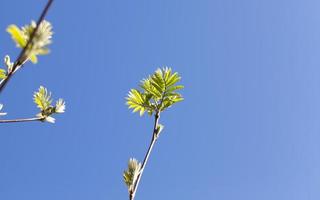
column 248, row 128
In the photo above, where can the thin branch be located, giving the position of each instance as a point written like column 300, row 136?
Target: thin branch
column 22, row 120
column 20, row 61
column 153, row 141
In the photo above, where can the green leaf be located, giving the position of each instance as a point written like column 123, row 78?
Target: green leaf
column 167, row 73
column 174, row 88
column 3, row 74
column 142, row 110
column 17, row 35
column 170, row 100
column 42, row 98
column 173, row 79
column 150, row 89
column 177, row 99
column 138, row 101
column 33, row 58
column 39, row 43
column 159, row 88
column 158, row 79
column 159, row 129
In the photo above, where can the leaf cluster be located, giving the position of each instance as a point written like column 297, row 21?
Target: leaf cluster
column 42, row 98
column 38, row 45
column 157, row 92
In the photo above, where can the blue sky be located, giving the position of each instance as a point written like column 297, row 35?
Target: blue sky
column 248, row 128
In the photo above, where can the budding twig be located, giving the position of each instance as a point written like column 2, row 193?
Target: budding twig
column 146, row 158
column 20, row 60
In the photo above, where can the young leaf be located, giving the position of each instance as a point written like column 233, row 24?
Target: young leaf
column 157, row 80
column 41, row 39
column 158, row 92
column 17, row 35
column 42, row 98
column 159, row 129
column 173, row 79
column 131, row 174
column 174, row 88
column 150, row 89
column 8, row 63
column 3, row 74
column 60, row 106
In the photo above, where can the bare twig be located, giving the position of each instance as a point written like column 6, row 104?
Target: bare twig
column 20, row 61
column 22, row 120
column 153, row 141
